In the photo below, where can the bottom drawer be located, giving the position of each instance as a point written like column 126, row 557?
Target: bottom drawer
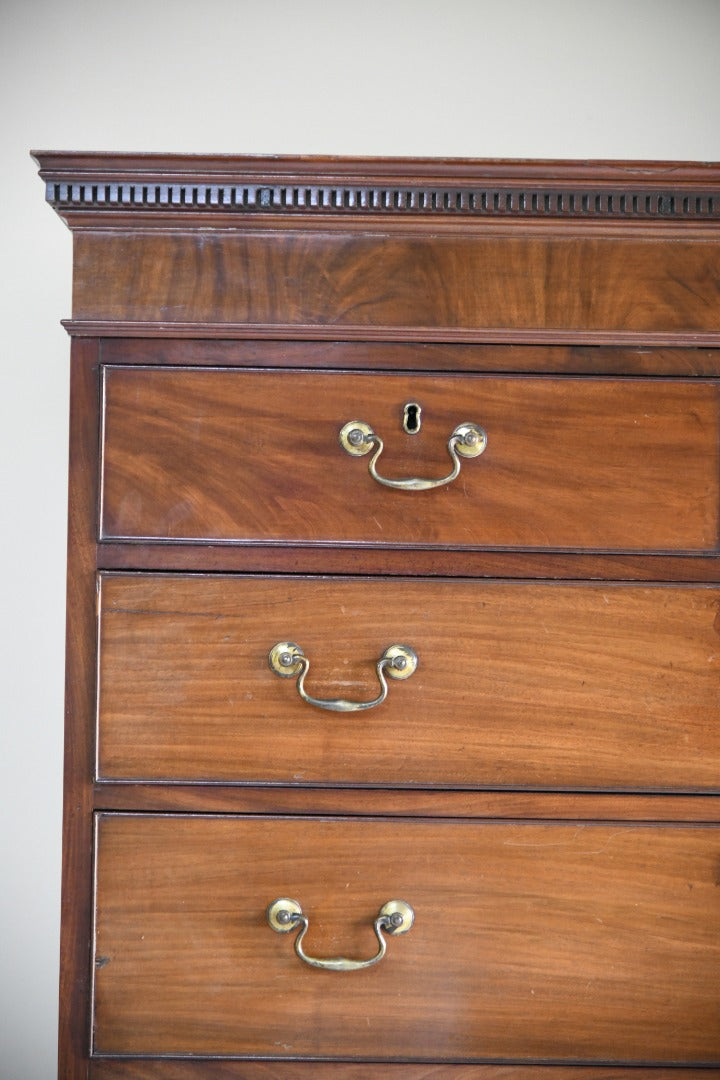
column 532, row 942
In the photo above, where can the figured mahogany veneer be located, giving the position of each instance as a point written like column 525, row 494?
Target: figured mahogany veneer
column 544, row 789
column 254, row 456
column 362, row 281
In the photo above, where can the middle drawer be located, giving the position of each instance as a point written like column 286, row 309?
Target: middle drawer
column 518, row 684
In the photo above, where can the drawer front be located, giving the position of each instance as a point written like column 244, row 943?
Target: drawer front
column 584, row 463
column 549, row 685
column 553, row 942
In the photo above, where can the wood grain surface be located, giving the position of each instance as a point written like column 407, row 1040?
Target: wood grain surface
column 404, row 802
column 123, row 1069
column 254, row 456
column 537, row 943
column 518, row 684
column 601, row 173
column 396, row 562
column 471, row 276
column 414, row 356
column 79, row 743
column 543, row 789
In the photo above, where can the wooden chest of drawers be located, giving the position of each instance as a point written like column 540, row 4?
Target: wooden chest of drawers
column 393, row 730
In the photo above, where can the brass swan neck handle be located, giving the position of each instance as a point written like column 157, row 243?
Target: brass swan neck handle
column 289, row 661
column 358, row 438
column 394, row 918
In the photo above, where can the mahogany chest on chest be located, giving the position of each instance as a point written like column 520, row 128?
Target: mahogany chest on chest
column 392, row 728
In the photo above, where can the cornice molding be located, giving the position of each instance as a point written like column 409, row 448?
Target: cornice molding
column 381, row 188
column 488, row 201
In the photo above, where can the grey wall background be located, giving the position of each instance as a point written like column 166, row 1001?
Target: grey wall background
column 558, row 78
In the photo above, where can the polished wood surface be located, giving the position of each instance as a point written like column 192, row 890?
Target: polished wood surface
column 163, row 190
column 424, row 278
column 518, row 684
column 531, row 942
column 579, row 463
column 416, row 356
column 77, row 859
column 208, row 331
column 404, row 802
column 308, row 559
column 318, row 1070
column 558, row 831
column 599, row 172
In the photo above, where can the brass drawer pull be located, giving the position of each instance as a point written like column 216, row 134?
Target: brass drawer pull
column 396, row 917
column 288, row 660
column 467, row 440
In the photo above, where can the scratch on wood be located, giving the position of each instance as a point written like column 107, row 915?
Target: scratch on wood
column 155, row 611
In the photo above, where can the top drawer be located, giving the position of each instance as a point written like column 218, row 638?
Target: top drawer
column 251, row 456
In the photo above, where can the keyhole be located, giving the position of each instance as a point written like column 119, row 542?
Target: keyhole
column 412, row 414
